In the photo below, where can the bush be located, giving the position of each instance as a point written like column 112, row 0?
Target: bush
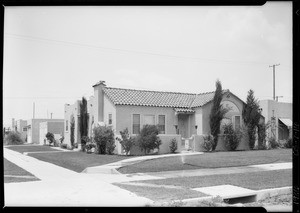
column 104, row 139
column 289, row 143
column 232, row 137
column 208, row 142
column 13, row 138
column 148, row 139
column 84, row 141
column 89, row 146
column 63, row 145
column 273, row 144
column 173, row 145
column 127, row 141
column 50, row 137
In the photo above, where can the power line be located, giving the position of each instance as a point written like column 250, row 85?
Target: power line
column 130, row 51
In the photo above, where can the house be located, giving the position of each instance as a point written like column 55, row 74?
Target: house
column 184, row 116
column 280, row 117
column 20, row 126
column 33, row 129
column 55, row 127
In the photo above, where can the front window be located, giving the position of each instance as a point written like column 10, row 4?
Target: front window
column 67, row 122
column 24, row 129
column 237, row 122
column 136, row 122
column 109, row 119
column 161, row 124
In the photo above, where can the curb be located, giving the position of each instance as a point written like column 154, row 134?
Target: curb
column 260, row 195
column 101, row 170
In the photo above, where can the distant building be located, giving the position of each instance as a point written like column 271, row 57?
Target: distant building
column 33, row 129
column 55, row 127
column 280, row 117
column 20, row 126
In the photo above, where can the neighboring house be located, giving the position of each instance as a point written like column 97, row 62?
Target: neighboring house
column 33, row 129
column 177, row 114
column 20, row 126
column 55, row 127
column 280, row 117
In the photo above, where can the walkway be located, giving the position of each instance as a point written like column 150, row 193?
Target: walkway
column 63, row 187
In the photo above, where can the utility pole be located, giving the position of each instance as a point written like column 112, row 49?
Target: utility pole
column 51, row 115
column 278, row 97
column 33, row 109
column 274, row 79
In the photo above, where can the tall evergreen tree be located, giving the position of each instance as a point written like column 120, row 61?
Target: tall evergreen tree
column 217, row 114
column 83, row 122
column 251, row 116
column 72, row 128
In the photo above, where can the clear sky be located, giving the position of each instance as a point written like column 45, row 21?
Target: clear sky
column 53, row 55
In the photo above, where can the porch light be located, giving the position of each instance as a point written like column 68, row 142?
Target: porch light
column 196, row 126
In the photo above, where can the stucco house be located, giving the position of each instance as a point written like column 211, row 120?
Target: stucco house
column 280, row 117
column 55, row 127
column 184, row 116
column 20, row 126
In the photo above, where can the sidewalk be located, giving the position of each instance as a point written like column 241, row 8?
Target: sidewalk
column 63, row 187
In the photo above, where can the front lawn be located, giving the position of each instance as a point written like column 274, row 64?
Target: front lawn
column 31, row 148
column 210, row 160
column 252, row 180
column 14, row 173
column 77, row 161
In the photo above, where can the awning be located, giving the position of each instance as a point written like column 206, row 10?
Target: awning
column 286, row 121
column 184, row 110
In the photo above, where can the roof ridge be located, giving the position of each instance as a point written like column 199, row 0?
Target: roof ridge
column 152, row 91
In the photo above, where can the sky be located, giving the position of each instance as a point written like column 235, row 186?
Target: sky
column 54, row 55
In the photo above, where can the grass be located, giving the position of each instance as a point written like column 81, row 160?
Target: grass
column 14, row 173
column 77, row 161
column 254, row 180
column 161, row 194
column 31, row 148
column 210, row 160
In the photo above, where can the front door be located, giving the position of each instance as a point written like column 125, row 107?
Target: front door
column 183, row 125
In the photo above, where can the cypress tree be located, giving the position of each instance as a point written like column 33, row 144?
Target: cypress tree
column 217, row 114
column 83, row 122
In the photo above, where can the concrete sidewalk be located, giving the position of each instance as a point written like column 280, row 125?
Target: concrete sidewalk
column 63, row 187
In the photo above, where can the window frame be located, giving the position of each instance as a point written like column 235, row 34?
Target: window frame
column 159, row 125
column 110, row 118
column 67, row 126
column 234, row 123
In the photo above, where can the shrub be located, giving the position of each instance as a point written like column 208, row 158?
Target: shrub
column 148, row 139
column 273, row 144
column 63, row 145
column 104, row 139
column 173, row 145
column 127, row 141
column 89, row 146
column 62, row 139
column 84, row 141
column 13, row 138
column 72, row 130
column 50, row 137
column 262, row 135
column 232, row 137
column 289, row 143
column 208, row 142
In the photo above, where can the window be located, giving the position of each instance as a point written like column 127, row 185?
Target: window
column 149, row 119
column 161, row 124
column 109, row 119
column 67, row 125
column 24, row 129
column 136, row 122
column 237, row 122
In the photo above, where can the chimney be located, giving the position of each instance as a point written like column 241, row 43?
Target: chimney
column 99, row 101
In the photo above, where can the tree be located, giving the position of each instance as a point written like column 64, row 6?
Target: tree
column 217, row 114
column 50, row 137
column 251, row 117
column 148, row 139
column 83, row 122
column 72, row 129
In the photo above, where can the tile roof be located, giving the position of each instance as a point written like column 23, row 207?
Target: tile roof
column 156, row 98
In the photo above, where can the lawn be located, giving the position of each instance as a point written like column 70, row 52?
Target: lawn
column 253, row 180
column 14, row 173
column 31, row 148
column 210, row 160
column 77, row 161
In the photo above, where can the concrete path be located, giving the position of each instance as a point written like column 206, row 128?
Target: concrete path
column 63, row 187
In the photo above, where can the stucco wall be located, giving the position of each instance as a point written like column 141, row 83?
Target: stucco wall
column 69, row 110
column 124, row 116
column 109, row 108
